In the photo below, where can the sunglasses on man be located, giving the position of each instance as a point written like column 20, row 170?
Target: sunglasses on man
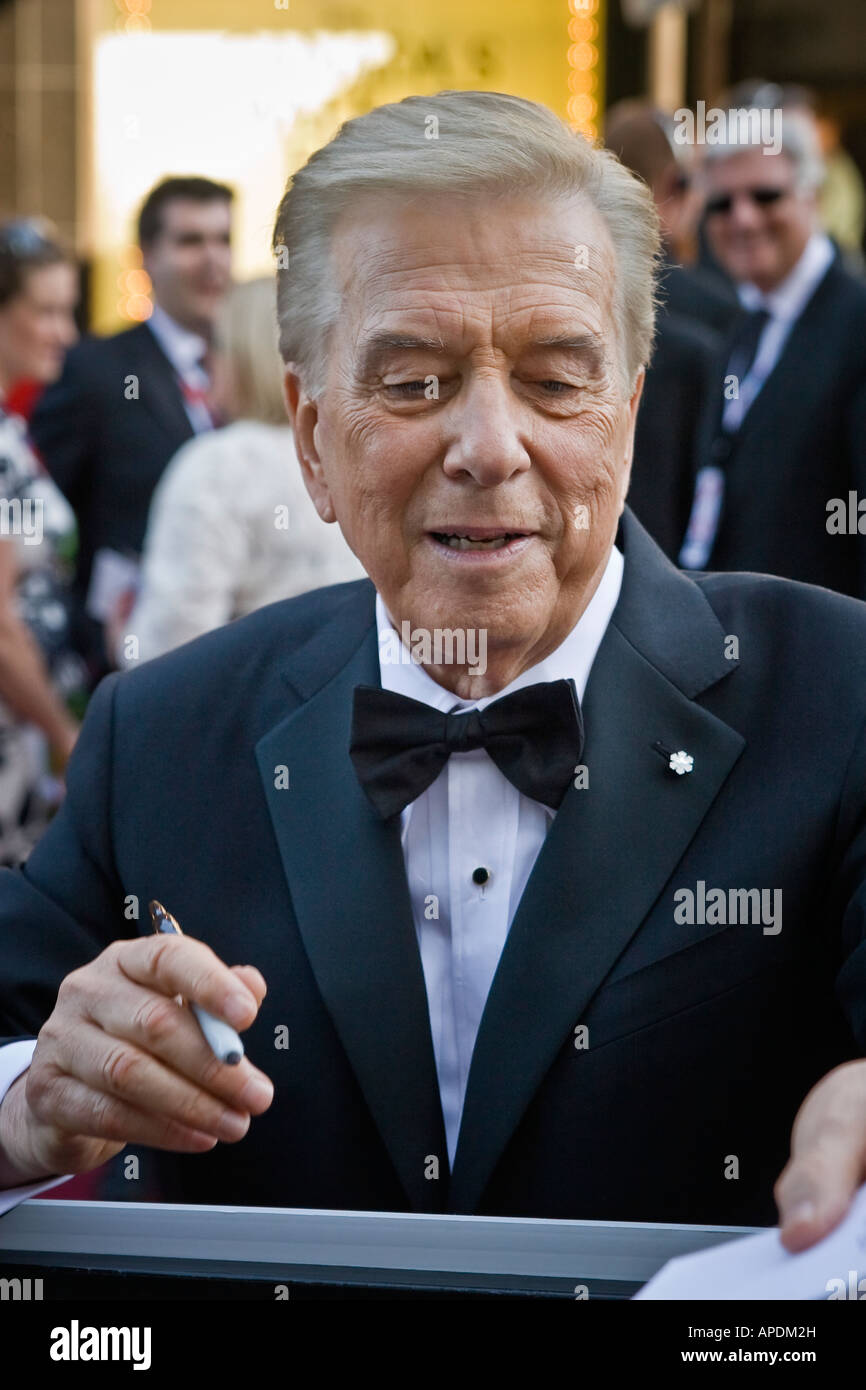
column 722, row 203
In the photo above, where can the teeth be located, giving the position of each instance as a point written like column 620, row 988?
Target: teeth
column 464, row 543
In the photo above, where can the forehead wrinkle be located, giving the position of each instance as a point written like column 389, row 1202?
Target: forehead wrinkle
column 453, row 320
column 380, row 251
column 428, row 270
column 382, row 238
column 580, row 336
column 427, row 291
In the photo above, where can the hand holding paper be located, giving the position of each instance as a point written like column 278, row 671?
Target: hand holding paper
column 759, row 1267
column 828, row 1157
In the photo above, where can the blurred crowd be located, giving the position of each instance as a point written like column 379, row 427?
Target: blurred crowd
column 148, row 486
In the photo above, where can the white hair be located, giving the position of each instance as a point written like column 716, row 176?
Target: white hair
column 799, row 141
column 483, row 144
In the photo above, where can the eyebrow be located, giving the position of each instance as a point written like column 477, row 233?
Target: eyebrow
column 588, row 345
column 380, row 345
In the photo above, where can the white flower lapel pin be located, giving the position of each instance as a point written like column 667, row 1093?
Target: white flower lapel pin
column 680, row 762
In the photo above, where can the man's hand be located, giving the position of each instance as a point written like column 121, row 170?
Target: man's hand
column 828, row 1158
column 120, row 1062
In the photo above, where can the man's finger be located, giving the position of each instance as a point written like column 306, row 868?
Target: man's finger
column 156, row 1024
column 253, row 979
column 116, row 1067
column 77, row 1108
column 828, row 1158
column 181, row 965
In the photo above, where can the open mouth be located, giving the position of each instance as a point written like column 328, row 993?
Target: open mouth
column 477, row 539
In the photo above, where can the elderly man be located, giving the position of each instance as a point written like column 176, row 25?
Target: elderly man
column 548, row 855
column 782, row 483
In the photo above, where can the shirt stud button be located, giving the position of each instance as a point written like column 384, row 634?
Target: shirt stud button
column 481, row 875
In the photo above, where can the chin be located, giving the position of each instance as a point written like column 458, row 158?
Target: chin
column 759, row 267
column 48, row 373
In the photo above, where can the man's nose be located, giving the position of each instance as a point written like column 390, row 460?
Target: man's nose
column 484, row 439
column 220, row 253
column 745, row 215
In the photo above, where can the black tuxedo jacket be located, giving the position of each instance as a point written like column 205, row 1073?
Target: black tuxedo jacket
column 702, row 1038
column 802, row 443
column 104, row 450
column 676, row 389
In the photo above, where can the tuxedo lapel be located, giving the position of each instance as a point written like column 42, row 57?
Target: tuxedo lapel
column 348, row 885
column 611, row 847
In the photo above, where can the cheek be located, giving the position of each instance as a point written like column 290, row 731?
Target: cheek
column 586, row 471
column 367, row 465
column 591, row 450
column 31, row 333
column 784, row 231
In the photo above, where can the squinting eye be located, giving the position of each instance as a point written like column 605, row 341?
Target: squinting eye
column 408, row 388
column 556, row 387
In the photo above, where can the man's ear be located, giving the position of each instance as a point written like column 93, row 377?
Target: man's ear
column 303, row 412
column 629, row 444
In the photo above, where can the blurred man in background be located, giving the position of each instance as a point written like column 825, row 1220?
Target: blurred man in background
column 841, row 197
column 696, row 309
column 642, row 137
column 784, row 437
column 232, row 526
column 125, row 404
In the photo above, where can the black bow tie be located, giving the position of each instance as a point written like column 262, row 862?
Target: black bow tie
column 399, row 746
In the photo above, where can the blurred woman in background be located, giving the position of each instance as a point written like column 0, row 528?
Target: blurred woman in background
column 231, row 525
column 41, row 678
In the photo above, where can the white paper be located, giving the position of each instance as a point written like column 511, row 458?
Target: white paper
column 111, row 577
column 759, row 1267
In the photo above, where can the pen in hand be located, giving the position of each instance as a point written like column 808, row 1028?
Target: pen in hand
column 221, row 1038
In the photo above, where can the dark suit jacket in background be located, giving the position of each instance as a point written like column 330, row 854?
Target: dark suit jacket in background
column 107, row 452
column 703, row 1039
column 675, row 395
column 698, row 294
column 801, row 444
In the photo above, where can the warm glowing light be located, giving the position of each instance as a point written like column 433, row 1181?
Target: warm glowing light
column 584, row 60
column 582, row 29
column 137, row 307
column 582, row 108
column 135, row 282
column 583, row 55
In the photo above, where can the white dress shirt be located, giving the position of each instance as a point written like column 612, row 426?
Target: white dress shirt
column 470, row 817
column 15, row 1059
column 185, row 351
column 473, row 817
column 784, row 304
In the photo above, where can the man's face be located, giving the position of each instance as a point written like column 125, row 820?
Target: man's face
column 755, row 239
column 473, row 438
column 189, row 262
